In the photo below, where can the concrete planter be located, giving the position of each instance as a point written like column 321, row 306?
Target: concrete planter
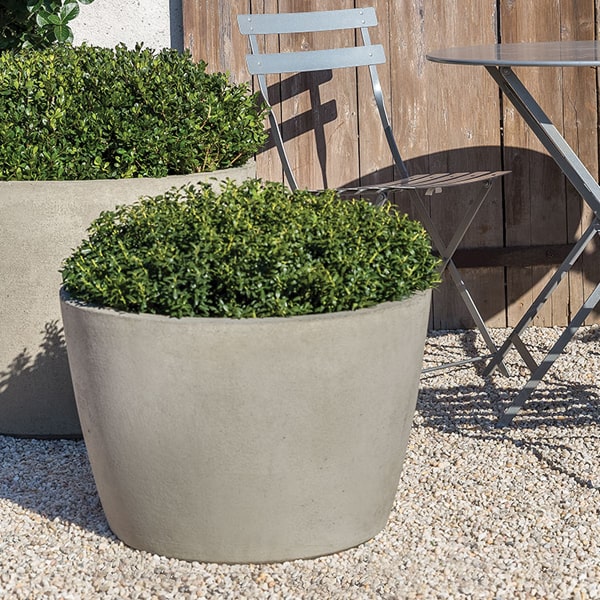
column 247, row 440
column 41, row 223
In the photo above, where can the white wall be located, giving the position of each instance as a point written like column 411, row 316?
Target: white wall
column 157, row 23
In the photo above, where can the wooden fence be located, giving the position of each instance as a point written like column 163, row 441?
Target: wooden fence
column 446, row 118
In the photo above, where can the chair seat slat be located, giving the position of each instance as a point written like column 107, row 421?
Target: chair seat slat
column 432, row 180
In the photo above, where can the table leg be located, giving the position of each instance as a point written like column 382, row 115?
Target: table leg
column 569, row 163
column 513, row 339
column 589, row 189
column 559, row 346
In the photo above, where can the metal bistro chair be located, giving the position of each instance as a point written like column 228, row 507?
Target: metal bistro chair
column 368, row 55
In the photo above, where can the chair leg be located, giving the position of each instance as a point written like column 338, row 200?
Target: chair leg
column 474, row 312
column 447, row 252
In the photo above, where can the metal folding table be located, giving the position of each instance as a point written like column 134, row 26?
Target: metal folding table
column 499, row 60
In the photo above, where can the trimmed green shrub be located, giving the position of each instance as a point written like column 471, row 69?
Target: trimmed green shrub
column 254, row 250
column 96, row 113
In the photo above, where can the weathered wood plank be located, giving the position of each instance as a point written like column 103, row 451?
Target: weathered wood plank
column 581, row 132
column 319, row 115
column 268, row 165
column 460, row 119
column 375, row 160
column 211, row 34
column 536, row 194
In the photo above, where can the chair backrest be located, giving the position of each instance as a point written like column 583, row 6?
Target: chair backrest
column 363, row 54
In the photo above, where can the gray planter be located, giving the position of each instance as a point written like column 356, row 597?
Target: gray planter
column 40, row 223
column 247, row 440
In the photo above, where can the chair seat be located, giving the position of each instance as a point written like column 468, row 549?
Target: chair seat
column 430, row 181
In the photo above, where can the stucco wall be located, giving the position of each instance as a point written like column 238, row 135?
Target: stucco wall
column 157, row 23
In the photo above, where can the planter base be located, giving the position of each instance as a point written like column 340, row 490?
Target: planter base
column 252, row 440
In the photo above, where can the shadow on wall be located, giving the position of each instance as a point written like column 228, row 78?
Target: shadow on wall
column 33, row 391
column 534, row 191
column 524, row 230
column 527, row 226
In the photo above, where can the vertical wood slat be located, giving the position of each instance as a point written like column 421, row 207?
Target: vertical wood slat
column 461, row 136
column 326, row 155
column 581, row 131
column 211, row 34
column 541, row 206
column 446, row 117
column 527, row 222
column 268, row 164
column 374, row 153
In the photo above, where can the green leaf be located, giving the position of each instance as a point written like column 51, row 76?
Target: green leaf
column 34, row 5
column 96, row 113
column 69, row 11
column 63, row 33
column 53, row 20
column 30, row 23
column 43, row 18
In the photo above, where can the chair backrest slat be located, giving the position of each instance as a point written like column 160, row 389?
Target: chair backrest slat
column 325, row 20
column 315, row 60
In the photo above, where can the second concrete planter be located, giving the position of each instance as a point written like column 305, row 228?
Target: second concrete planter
column 247, row 440
column 42, row 221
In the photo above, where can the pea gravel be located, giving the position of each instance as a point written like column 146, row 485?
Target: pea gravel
column 480, row 512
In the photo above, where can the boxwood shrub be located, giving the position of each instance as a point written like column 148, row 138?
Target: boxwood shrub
column 95, row 113
column 253, row 250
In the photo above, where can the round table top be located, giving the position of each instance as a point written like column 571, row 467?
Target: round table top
column 526, row 54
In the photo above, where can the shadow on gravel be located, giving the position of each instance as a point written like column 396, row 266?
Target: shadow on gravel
column 466, row 407
column 552, row 424
column 560, row 400
column 52, row 478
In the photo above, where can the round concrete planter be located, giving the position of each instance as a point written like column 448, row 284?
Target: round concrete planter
column 41, row 223
column 248, row 440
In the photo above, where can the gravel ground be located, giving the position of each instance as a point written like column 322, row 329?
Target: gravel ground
column 480, row 512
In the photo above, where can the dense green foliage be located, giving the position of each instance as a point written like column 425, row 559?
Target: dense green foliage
column 95, row 113
column 36, row 23
column 254, row 250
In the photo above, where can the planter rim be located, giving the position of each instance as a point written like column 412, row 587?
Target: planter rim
column 66, row 297
column 204, row 175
